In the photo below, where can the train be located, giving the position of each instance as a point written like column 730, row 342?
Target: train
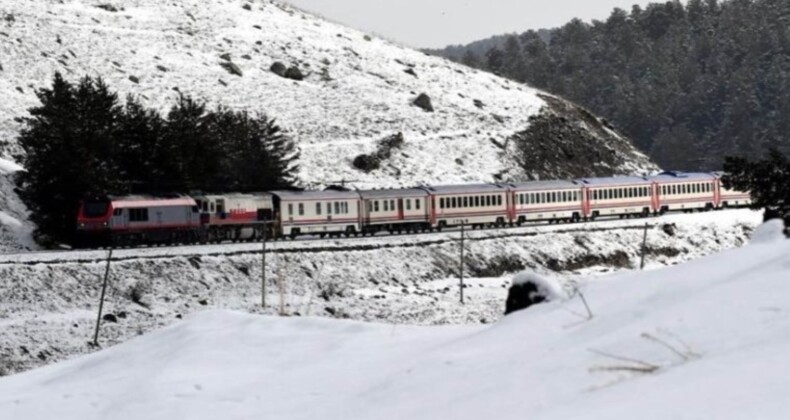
column 133, row 220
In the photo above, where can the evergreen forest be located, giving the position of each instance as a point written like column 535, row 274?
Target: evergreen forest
column 689, row 82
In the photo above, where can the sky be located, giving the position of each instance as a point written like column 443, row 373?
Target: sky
column 438, row 23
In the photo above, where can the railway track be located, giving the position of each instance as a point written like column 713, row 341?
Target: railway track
column 343, row 244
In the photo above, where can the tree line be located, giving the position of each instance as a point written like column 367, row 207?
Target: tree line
column 690, row 84
column 83, row 140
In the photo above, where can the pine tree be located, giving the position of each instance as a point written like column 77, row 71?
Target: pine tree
column 68, row 144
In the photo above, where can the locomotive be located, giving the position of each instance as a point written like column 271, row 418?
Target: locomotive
column 171, row 219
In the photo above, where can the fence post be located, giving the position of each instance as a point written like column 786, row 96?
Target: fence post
column 101, row 299
column 461, row 264
column 263, row 268
column 644, row 249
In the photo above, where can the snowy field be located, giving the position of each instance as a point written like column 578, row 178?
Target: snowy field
column 705, row 339
column 50, row 299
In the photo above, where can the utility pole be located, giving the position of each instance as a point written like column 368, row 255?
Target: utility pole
column 101, row 300
column 263, row 268
column 644, row 249
column 461, row 264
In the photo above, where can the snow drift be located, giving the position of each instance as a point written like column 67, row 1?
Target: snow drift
column 707, row 339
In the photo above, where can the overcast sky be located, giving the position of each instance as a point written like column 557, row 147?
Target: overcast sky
column 437, row 23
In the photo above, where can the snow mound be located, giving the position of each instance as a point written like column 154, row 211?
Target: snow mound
column 547, row 287
column 707, row 339
column 529, row 288
column 769, row 232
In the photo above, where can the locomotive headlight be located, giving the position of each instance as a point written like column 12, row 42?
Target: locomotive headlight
column 105, row 224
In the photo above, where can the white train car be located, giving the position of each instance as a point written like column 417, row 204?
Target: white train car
column 547, row 200
column 235, row 216
column 620, row 196
column 397, row 210
column 685, row 191
column 322, row 213
column 730, row 198
column 475, row 205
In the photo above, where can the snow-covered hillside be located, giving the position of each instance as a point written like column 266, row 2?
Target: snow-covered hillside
column 706, row 339
column 358, row 88
column 50, row 298
column 15, row 229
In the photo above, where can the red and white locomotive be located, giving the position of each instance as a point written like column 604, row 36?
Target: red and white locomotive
column 278, row 214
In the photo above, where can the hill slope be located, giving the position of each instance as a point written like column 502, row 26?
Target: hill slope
column 707, row 339
column 356, row 92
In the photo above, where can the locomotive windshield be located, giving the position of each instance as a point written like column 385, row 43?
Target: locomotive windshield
column 95, row 208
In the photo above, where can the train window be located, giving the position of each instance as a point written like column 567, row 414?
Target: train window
column 499, row 200
column 521, row 199
column 337, row 207
column 408, row 204
column 290, row 209
column 329, row 207
column 376, row 205
column 416, row 203
column 205, row 206
column 477, row 201
column 564, row 196
column 318, row 208
column 301, row 209
column 138, row 215
column 211, row 207
column 386, row 205
column 441, row 203
column 345, row 206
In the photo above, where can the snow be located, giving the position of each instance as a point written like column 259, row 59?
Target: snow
column 8, row 167
column 705, row 339
column 548, row 287
column 50, row 298
column 365, row 96
column 356, row 91
column 769, row 232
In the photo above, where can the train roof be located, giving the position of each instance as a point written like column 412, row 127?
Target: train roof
column 613, row 181
column 465, row 189
column 401, row 192
column 236, row 195
column 545, row 185
column 317, row 195
column 137, row 201
column 677, row 176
